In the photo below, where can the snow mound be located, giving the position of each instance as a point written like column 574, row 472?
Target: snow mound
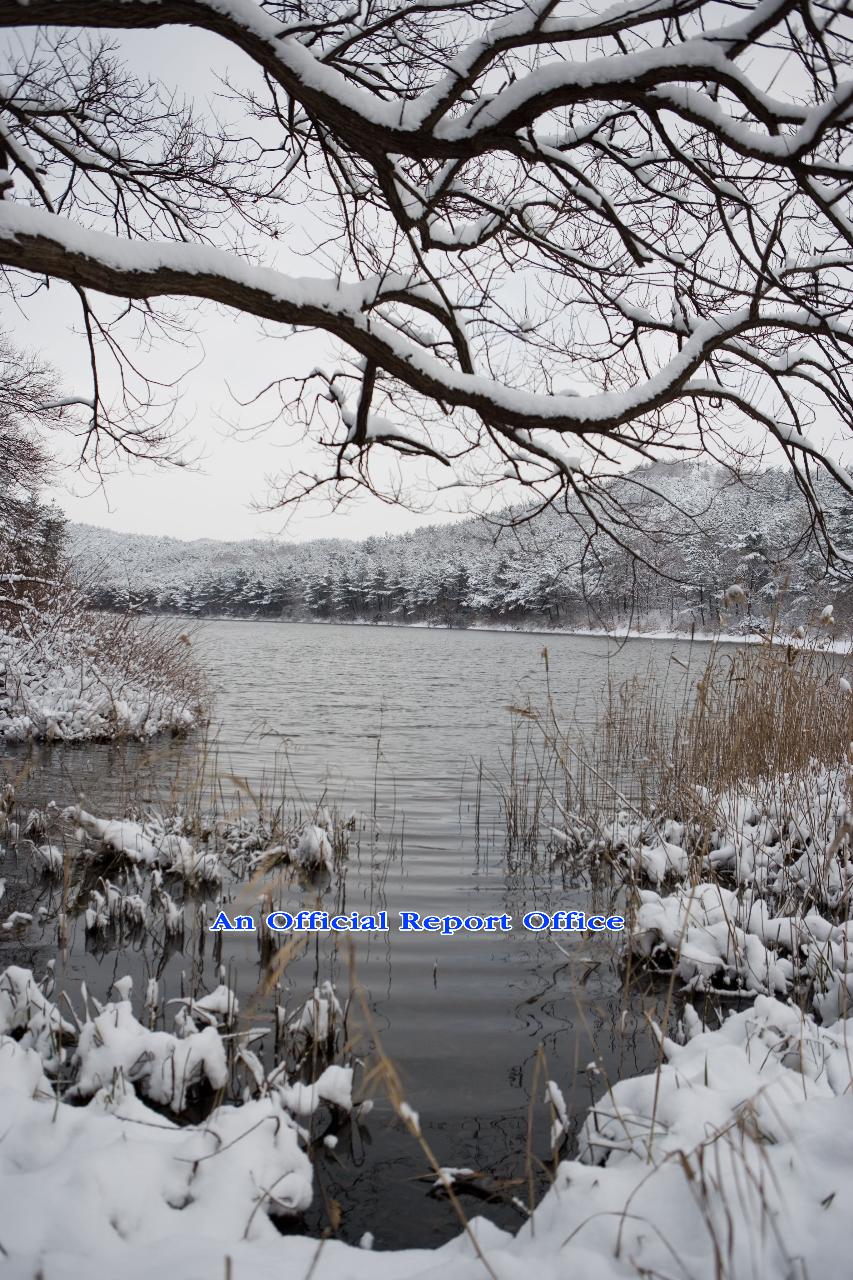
column 162, row 1068
column 743, row 1124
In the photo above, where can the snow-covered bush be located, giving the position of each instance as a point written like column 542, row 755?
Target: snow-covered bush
column 208, row 1053
column 72, row 676
column 751, row 894
column 68, row 674
column 123, row 877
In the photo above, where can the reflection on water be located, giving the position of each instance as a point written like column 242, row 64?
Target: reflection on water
column 391, row 725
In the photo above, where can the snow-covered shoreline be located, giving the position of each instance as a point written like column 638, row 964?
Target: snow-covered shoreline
column 838, row 645
column 723, row 1167
column 718, row 1164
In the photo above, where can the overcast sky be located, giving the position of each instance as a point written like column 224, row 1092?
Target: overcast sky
column 213, row 497
column 217, row 494
column 227, row 476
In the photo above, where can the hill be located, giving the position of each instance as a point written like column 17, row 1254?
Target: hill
column 695, row 531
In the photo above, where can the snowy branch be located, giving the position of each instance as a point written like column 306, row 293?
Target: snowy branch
column 652, row 201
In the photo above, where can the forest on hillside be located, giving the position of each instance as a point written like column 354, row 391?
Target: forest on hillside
column 713, row 533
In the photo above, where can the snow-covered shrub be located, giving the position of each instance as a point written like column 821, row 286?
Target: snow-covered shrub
column 320, row 1018
column 66, row 673
column 751, row 894
column 206, row 1053
column 154, row 840
column 701, row 931
column 71, row 676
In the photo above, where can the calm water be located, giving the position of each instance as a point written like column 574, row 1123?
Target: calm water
column 392, row 724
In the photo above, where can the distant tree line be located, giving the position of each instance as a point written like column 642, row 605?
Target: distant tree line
column 544, row 573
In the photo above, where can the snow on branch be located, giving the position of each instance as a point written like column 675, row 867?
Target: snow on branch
column 38, row 241
column 652, row 200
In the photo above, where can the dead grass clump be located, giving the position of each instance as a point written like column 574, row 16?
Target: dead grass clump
column 148, row 652
column 759, row 721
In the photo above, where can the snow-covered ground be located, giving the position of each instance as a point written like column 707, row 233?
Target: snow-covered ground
column 731, row 1161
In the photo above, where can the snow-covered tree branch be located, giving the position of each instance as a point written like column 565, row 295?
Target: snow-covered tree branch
column 552, row 239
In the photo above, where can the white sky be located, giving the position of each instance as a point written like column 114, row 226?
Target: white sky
column 213, row 498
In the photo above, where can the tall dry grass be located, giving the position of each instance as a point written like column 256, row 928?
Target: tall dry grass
column 147, row 651
column 760, row 711
column 761, row 715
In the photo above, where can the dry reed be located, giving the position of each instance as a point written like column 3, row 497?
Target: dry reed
column 760, row 715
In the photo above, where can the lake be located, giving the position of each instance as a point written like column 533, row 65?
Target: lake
column 406, row 729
